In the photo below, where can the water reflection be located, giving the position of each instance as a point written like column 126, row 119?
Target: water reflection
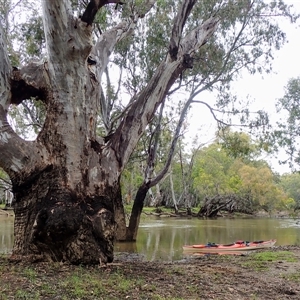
column 162, row 239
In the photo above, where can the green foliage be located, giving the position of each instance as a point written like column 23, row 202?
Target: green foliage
column 261, row 261
column 33, row 36
column 211, row 171
column 291, row 184
column 24, row 34
column 237, row 144
column 259, row 181
column 28, row 117
column 288, row 132
column 246, row 38
column 230, row 167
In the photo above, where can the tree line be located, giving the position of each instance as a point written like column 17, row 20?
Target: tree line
column 229, row 169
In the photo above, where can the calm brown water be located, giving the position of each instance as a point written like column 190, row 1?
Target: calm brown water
column 162, row 239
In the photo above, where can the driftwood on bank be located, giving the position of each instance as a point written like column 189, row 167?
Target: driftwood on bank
column 160, row 213
column 227, row 202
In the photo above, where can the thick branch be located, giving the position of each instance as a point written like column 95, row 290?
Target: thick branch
column 5, row 71
column 141, row 112
column 179, row 23
column 146, row 102
column 106, row 44
column 104, row 47
column 18, row 157
column 197, row 37
column 66, row 36
column 152, row 148
column 28, row 82
column 93, row 7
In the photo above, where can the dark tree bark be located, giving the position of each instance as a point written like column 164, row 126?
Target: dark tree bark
column 136, row 212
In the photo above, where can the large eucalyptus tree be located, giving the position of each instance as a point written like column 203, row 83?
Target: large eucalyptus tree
column 67, row 182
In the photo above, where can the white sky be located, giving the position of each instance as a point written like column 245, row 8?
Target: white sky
column 265, row 90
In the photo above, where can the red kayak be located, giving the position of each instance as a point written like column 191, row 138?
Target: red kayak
column 237, row 246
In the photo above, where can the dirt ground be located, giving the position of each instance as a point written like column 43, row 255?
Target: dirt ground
column 272, row 274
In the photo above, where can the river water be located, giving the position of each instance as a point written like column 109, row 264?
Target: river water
column 162, row 239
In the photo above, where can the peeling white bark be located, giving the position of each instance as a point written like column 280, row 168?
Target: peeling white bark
column 105, row 46
column 197, row 37
column 141, row 112
column 5, row 71
column 4, row 137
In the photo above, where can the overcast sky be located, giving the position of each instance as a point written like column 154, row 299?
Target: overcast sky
column 265, row 90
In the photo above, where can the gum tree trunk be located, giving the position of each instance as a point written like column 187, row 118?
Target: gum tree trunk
column 66, row 183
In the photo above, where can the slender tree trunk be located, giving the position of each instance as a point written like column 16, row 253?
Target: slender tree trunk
column 173, row 194
column 136, row 212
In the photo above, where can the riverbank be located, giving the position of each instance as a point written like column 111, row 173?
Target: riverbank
column 272, row 274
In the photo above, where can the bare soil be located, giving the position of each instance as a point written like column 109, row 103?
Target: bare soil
column 272, row 274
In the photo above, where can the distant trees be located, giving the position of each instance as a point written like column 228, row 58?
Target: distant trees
column 228, row 172
column 287, row 134
column 291, row 185
column 216, row 173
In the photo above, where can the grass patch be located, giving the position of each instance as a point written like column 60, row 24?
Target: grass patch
column 147, row 280
column 24, row 295
column 84, row 284
column 275, row 256
column 260, row 261
column 30, row 274
column 292, row 276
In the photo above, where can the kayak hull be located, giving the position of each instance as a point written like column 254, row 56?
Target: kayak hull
column 233, row 247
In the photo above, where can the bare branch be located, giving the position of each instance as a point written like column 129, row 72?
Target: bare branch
column 176, row 136
column 93, row 7
column 104, row 47
column 178, row 25
column 152, row 148
column 212, row 110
